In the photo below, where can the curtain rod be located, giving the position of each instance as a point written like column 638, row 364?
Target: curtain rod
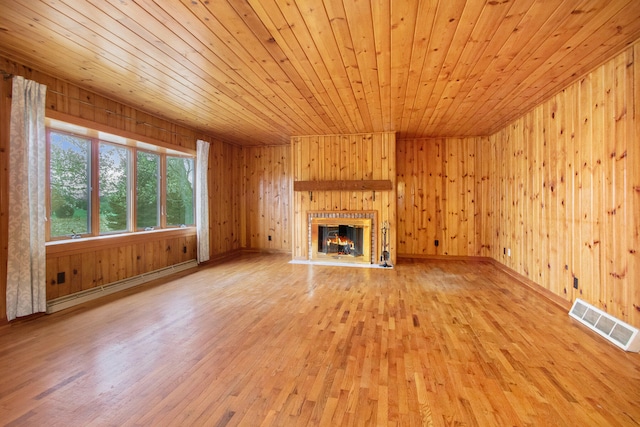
column 6, row 75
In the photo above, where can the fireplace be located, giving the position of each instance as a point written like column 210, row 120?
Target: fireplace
column 347, row 237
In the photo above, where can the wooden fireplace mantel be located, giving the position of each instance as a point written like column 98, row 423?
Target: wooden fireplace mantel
column 344, row 185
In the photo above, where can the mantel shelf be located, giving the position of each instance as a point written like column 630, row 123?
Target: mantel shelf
column 344, row 185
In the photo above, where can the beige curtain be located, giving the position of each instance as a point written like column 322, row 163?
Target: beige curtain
column 202, row 200
column 26, row 272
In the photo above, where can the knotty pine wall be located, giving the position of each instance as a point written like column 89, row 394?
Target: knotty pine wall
column 88, row 264
column 343, row 157
column 560, row 187
column 566, row 190
column 442, row 191
column 267, row 198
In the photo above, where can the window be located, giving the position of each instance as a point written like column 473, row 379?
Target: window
column 113, row 187
column 148, row 190
column 70, row 195
column 180, row 175
column 138, row 186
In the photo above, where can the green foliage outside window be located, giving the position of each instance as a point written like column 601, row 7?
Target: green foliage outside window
column 70, row 168
column 118, row 167
column 180, row 175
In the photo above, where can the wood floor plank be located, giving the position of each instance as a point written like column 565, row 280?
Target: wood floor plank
column 258, row 341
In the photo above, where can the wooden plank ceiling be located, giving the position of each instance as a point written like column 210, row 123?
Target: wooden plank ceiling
column 260, row 71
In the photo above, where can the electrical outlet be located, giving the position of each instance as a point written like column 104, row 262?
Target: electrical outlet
column 504, row 251
column 508, row 251
column 61, row 278
column 269, row 238
column 575, row 283
column 436, row 242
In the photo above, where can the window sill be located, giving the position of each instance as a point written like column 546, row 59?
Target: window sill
column 74, row 246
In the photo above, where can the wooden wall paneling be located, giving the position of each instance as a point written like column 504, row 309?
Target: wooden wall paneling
column 234, row 197
column 267, row 201
column 610, row 203
column 495, row 177
column 523, row 215
column 128, row 255
column 582, row 183
column 444, row 197
column 633, row 168
column 551, row 218
column 418, row 190
column 456, row 195
column 274, row 201
column 598, row 123
column 480, row 209
column 390, row 142
column 439, row 201
column 296, row 205
column 565, row 187
column 402, row 174
column 216, row 173
column 468, row 245
column 342, row 156
column 622, row 88
column 262, row 213
column 88, row 271
column 453, row 178
column 529, row 202
column 73, row 276
column 285, row 192
column 426, row 180
column 509, row 207
column 51, row 271
column 540, row 220
column 565, row 175
column 63, row 266
column 501, row 145
column 489, row 210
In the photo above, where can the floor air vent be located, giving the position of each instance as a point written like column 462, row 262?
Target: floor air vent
column 621, row 334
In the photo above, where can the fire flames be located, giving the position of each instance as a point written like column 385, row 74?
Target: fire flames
column 342, row 242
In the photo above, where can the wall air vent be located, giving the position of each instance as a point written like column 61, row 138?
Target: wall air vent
column 621, row 334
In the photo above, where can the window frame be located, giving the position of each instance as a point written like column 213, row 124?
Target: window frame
column 100, row 134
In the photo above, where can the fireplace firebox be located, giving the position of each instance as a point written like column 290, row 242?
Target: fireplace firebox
column 342, row 237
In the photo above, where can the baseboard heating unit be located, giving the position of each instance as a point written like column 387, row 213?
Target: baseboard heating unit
column 618, row 332
column 91, row 294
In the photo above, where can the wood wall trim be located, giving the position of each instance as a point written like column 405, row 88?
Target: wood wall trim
column 78, row 246
column 544, row 292
column 344, row 185
column 89, row 124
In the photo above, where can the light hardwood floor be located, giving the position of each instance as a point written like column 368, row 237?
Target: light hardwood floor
column 258, row 341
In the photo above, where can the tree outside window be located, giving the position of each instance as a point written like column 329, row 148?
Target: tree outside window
column 136, row 189
column 180, row 178
column 69, row 175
